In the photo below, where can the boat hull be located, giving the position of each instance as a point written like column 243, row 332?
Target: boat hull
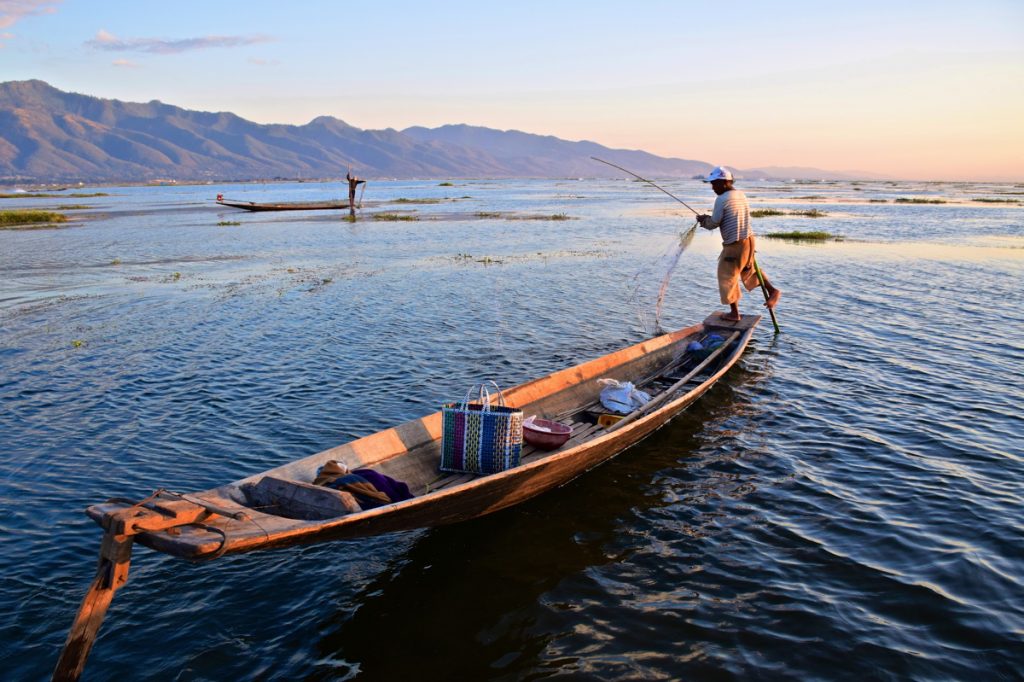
column 410, row 452
column 295, row 206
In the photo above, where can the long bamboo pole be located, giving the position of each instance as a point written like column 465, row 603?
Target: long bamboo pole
column 764, row 290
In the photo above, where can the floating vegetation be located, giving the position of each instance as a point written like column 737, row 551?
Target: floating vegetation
column 349, row 218
column 878, row 201
column 804, row 236
column 77, row 343
column 17, row 217
column 445, row 184
column 72, row 207
column 116, row 261
column 393, row 216
column 812, row 197
column 918, row 200
column 773, row 212
column 415, row 201
column 988, row 200
column 48, row 195
column 487, row 214
column 175, row 277
column 228, row 223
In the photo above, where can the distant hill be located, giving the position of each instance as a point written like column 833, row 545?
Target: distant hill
column 47, row 134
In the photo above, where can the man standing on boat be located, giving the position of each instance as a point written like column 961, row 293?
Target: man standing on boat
column 731, row 216
column 353, row 181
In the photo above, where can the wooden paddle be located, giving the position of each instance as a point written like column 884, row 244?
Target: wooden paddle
column 764, row 290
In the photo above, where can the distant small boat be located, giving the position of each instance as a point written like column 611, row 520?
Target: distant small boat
column 285, row 206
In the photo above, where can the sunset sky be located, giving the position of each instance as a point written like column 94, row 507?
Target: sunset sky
column 918, row 90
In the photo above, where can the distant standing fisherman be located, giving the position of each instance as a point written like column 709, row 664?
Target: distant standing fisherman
column 353, row 181
column 731, row 216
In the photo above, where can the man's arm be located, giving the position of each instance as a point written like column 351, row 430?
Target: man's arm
column 713, row 221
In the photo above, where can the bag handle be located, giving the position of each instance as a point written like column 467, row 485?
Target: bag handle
column 484, row 396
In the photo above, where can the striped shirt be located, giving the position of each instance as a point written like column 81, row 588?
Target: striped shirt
column 731, row 216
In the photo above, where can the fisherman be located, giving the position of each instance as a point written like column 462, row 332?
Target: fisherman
column 731, row 216
column 353, row 181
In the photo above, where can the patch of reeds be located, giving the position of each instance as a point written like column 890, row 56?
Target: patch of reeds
column 487, row 214
column 392, row 217
column 803, row 236
column 774, row 212
column 918, row 200
column 16, row 218
column 228, row 223
column 50, row 195
column 445, row 184
column 878, row 201
column 988, row 200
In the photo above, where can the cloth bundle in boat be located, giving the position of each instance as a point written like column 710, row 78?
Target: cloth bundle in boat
column 481, row 438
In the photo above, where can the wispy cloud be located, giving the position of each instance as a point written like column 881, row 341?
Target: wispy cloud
column 12, row 11
column 110, row 42
column 124, row 64
column 263, row 62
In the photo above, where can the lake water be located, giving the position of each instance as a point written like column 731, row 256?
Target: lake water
column 846, row 504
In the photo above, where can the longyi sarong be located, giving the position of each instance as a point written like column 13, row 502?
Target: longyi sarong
column 735, row 265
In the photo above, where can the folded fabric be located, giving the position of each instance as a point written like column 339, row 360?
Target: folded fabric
column 395, row 490
column 331, row 470
column 364, row 491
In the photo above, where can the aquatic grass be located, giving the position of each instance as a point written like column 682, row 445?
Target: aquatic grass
column 918, row 200
column 415, row 201
column 20, row 217
column 445, row 184
column 988, row 200
column 228, row 223
column 803, row 236
column 392, row 217
column 487, row 214
column 49, row 195
column 774, row 212
column 878, row 201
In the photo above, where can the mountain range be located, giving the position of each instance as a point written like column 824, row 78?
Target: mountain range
column 47, row 134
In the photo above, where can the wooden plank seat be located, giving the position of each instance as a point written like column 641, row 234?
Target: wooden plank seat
column 298, row 500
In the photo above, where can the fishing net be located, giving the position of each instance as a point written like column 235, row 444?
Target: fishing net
column 650, row 284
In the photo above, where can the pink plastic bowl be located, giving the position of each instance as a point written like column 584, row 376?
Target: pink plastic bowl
column 546, row 440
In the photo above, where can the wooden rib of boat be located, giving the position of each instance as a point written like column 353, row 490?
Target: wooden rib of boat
column 285, row 206
column 281, row 506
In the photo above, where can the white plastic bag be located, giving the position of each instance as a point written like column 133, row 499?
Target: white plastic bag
column 622, row 397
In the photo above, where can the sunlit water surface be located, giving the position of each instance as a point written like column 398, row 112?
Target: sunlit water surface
column 847, row 503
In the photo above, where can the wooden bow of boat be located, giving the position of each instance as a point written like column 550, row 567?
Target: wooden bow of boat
column 282, row 507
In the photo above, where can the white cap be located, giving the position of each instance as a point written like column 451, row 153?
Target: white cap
column 718, row 173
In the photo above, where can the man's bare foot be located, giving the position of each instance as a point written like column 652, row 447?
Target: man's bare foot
column 773, row 299
column 731, row 317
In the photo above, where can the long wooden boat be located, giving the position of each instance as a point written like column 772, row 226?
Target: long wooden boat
column 285, row 206
column 281, row 506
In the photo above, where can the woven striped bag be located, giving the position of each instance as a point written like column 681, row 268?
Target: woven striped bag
column 481, row 437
